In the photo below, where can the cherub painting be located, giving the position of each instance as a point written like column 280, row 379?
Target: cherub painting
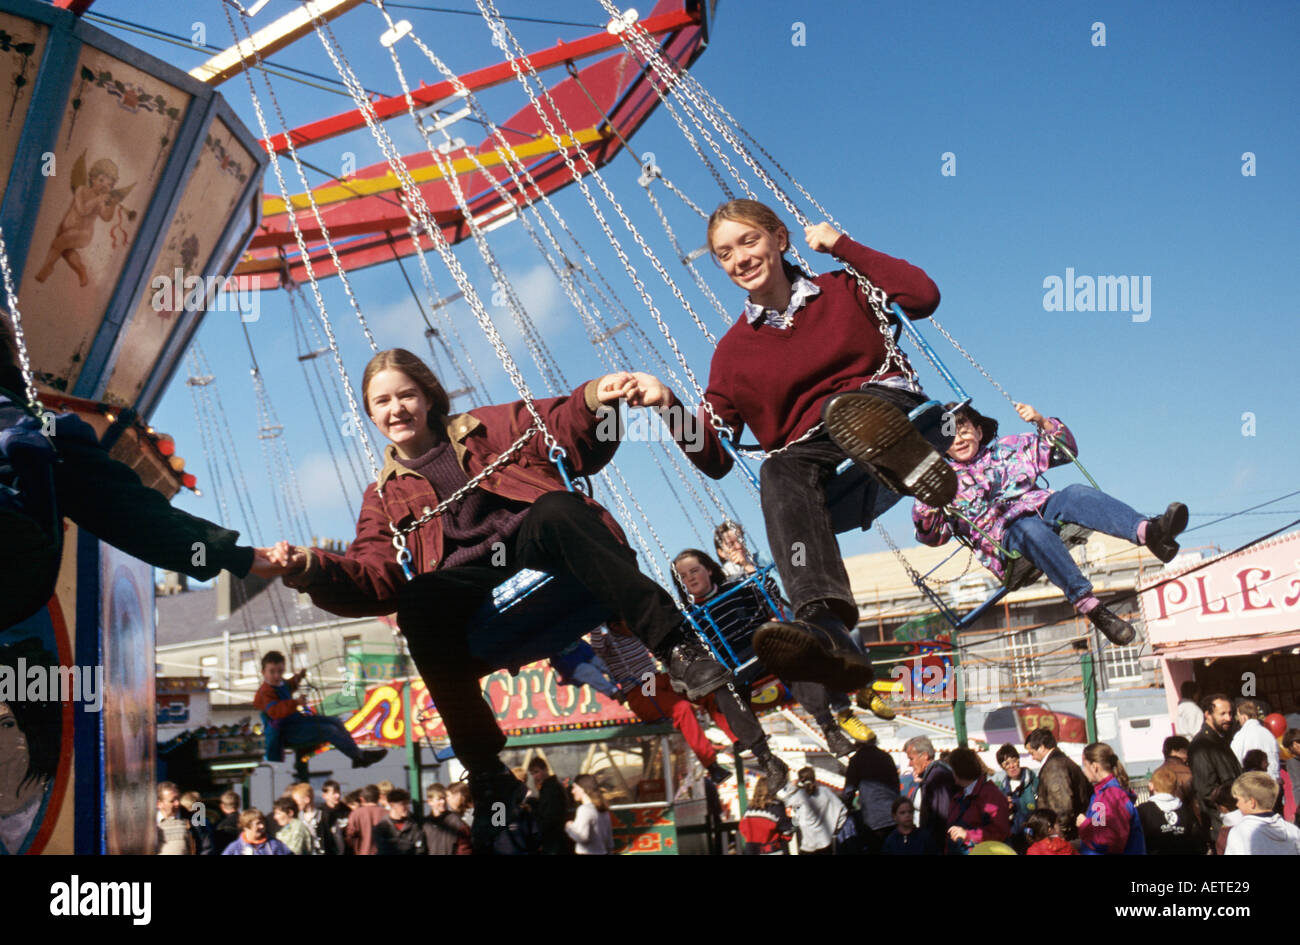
column 93, row 196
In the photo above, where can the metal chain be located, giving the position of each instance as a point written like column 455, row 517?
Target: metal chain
column 516, row 166
column 307, row 189
column 470, row 485
column 687, row 262
column 979, row 367
column 912, row 573
column 637, row 40
column 421, row 207
column 348, row 490
column 499, row 26
column 542, row 357
column 304, row 254
column 16, row 320
column 414, row 228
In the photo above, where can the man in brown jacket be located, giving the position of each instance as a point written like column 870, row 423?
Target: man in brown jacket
column 360, row 832
column 1062, row 785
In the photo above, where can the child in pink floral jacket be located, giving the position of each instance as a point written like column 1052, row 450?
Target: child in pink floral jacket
column 999, row 501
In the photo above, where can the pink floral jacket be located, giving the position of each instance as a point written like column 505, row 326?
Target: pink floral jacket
column 995, row 488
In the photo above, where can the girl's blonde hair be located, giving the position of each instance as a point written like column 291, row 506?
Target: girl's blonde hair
column 399, row 359
column 761, row 796
column 747, row 211
column 591, row 788
column 1099, row 753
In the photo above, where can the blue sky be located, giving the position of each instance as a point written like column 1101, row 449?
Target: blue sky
column 1117, row 160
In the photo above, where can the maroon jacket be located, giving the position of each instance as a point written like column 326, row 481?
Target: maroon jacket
column 367, row 579
column 360, row 831
column 985, row 813
column 775, row 381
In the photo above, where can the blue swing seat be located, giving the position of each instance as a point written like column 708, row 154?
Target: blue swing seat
column 704, row 617
column 532, row 616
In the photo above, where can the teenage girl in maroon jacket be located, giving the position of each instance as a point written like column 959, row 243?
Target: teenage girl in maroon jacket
column 519, row 516
column 806, row 350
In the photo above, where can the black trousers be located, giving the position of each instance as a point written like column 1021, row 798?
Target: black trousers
column 745, row 724
column 799, row 529
column 559, row 533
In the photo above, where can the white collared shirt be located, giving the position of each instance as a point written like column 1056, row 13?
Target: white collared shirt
column 801, row 291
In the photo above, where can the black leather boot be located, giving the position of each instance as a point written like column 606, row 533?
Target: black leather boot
column 814, row 647
column 1162, row 531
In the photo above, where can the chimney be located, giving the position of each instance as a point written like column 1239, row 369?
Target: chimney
column 234, row 593
column 223, row 584
column 173, row 583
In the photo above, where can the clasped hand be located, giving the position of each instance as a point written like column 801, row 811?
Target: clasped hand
column 279, row 560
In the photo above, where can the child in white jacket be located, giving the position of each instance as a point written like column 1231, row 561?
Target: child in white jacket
column 1260, row 831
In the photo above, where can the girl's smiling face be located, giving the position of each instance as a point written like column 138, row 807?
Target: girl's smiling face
column 400, row 410
column 751, row 256
column 966, row 441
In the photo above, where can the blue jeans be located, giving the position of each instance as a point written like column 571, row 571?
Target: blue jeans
column 595, row 674
column 1037, row 539
column 307, row 731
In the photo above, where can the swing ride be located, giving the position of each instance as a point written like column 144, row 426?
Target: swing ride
column 111, row 361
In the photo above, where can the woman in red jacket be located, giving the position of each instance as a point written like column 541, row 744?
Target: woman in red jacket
column 810, row 350
column 467, row 529
column 979, row 810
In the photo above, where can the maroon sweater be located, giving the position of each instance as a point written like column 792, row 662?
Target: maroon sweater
column 775, row 380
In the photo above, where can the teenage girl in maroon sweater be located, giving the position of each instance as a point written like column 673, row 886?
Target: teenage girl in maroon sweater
column 808, row 350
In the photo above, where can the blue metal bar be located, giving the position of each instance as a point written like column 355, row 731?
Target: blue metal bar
column 918, row 339
column 738, row 459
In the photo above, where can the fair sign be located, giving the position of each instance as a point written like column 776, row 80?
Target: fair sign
column 1254, row 592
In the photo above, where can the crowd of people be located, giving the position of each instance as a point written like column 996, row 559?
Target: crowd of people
column 381, row 820
column 1213, row 794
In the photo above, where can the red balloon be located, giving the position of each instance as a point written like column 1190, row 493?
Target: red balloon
column 1275, row 723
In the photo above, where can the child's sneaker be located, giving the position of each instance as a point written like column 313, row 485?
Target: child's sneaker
column 837, row 743
column 874, row 703
column 1162, row 531
column 878, row 435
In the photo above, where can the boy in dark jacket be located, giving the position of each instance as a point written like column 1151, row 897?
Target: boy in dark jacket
column 399, row 834
column 907, row 839
column 445, row 833
column 227, row 828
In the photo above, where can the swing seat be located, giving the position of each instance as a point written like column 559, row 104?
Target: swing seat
column 532, row 616
column 703, row 618
column 856, row 498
